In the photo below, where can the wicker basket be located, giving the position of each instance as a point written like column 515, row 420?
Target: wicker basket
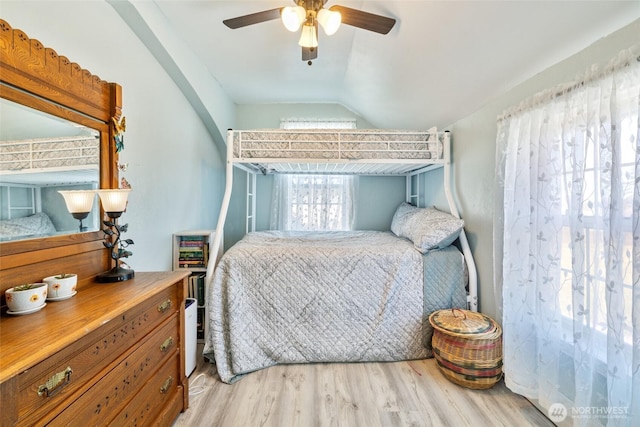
column 467, row 347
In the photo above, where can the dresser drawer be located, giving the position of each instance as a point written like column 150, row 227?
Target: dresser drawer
column 70, row 371
column 156, row 395
column 112, row 392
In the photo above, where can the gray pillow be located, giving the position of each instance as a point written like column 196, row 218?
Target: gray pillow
column 428, row 228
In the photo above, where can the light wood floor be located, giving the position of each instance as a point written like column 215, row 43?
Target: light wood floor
column 357, row 394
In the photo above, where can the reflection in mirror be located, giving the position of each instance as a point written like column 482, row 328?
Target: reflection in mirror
column 41, row 154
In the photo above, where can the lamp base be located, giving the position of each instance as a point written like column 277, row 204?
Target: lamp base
column 116, row 274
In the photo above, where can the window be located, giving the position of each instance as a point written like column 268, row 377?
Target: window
column 314, row 202
column 595, row 230
column 294, row 123
column 568, row 242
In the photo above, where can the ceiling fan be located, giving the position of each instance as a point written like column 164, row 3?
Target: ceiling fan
column 307, row 14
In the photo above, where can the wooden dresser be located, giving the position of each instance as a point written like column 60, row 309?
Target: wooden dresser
column 112, row 354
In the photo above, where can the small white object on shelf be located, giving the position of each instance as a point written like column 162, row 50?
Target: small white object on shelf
column 191, row 329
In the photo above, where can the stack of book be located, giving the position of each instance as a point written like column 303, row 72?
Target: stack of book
column 193, row 252
column 196, row 288
column 196, row 291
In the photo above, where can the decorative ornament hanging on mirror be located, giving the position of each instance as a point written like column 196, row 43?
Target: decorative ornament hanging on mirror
column 125, row 184
column 122, row 167
column 118, row 132
column 119, row 127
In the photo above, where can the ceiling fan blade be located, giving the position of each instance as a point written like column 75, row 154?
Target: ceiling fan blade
column 309, row 53
column 365, row 20
column 254, row 18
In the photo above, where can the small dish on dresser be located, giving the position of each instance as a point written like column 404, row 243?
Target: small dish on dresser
column 29, row 311
column 61, row 286
column 27, row 297
column 63, row 297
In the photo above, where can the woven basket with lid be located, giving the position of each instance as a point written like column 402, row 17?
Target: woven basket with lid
column 468, row 347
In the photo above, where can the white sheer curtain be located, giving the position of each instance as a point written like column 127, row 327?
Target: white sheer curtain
column 567, row 247
column 313, row 202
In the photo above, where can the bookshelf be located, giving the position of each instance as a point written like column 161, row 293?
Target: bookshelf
column 192, row 251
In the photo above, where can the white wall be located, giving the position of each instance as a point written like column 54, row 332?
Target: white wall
column 474, row 150
column 174, row 167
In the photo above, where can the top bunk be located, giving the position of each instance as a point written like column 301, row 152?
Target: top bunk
column 50, row 161
column 338, row 151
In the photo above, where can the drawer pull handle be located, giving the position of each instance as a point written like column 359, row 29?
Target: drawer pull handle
column 166, row 386
column 166, row 344
column 55, row 383
column 165, row 306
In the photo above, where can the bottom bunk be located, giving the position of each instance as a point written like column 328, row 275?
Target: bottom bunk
column 304, row 297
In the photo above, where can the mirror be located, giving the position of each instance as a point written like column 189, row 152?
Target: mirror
column 35, row 78
column 41, row 154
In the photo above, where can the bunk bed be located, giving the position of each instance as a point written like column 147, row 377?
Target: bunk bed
column 28, row 166
column 298, row 297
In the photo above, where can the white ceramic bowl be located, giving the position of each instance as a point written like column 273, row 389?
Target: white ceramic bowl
column 29, row 299
column 61, row 287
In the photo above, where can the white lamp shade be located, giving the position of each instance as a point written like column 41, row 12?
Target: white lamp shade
column 114, row 200
column 78, row 201
column 330, row 20
column 308, row 37
column 293, row 17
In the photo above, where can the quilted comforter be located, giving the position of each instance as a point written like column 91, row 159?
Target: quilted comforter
column 294, row 297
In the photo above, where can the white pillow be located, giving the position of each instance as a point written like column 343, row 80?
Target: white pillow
column 33, row 225
column 428, row 228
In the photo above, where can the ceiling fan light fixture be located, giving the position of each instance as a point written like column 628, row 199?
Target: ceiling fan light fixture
column 293, row 17
column 308, row 36
column 330, row 20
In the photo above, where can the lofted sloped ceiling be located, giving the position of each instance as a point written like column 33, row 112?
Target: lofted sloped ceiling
column 442, row 61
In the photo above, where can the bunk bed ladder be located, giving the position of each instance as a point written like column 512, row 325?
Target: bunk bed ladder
column 250, row 221
column 34, row 199
column 413, row 189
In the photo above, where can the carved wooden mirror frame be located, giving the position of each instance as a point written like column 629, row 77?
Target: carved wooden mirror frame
column 37, row 77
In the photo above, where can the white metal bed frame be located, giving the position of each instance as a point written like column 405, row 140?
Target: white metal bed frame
column 48, row 153
column 342, row 158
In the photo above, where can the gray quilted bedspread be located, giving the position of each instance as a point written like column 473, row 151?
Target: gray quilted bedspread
column 292, row 297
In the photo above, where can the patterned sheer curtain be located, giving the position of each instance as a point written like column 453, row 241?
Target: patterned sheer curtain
column 567, row 247
column 314, row 202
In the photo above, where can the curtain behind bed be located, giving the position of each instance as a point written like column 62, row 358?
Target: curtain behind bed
column 313, row 202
